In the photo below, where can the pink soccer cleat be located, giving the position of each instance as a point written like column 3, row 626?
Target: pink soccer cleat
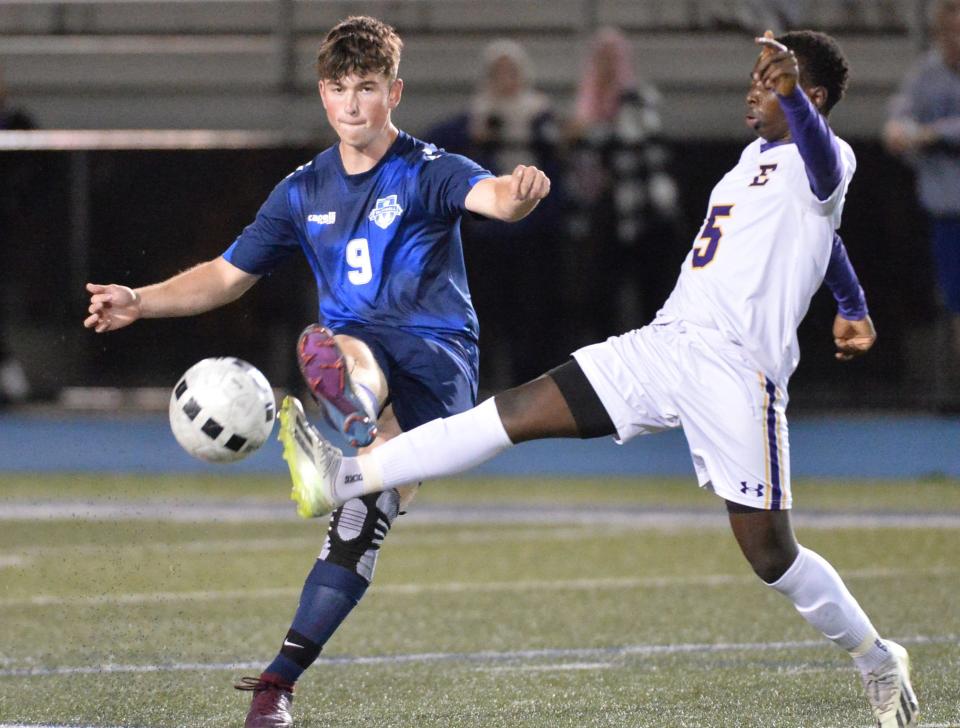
column 325, row 370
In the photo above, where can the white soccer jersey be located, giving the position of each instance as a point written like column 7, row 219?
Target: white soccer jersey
column 761, row 255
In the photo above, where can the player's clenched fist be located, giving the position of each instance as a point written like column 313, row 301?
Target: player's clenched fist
column 111, row 307
column 853, row 338
column 777, row 66
column 529, row 183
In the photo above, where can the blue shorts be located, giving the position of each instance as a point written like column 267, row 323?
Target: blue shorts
column 946, row 256
column 426, row 380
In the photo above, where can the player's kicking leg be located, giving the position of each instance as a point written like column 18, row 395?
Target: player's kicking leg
column 820, row 596
column 349, row 406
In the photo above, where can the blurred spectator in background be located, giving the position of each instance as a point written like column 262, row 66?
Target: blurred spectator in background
column 14, row 386
column 622, row 203
column 513, row 268
column 924, row 128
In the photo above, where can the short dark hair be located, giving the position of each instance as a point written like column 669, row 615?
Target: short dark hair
column 822, row 63
column 360, row 44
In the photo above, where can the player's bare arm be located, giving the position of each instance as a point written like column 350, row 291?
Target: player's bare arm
column 201, row 288
column 777, row 66
column 509, row 197
column 853, row 338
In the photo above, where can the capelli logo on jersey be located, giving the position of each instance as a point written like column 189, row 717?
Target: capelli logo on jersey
column 326, row 218
column 385, row 212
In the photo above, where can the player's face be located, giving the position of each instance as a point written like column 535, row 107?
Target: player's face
column 764, row 114
column 358, row 107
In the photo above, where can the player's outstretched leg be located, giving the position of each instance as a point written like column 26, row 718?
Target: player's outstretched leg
column 272, row 698
column 323, row 478
column 324, row 367
column 314, row 463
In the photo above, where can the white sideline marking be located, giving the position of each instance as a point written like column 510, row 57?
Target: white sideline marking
column 229, row 546
column 624, row 515
column 583, row 654
column 453, row 587
column 9, row 561
column 555, row 667
column 417, row 537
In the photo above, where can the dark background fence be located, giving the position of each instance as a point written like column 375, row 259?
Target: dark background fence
column 154, row 213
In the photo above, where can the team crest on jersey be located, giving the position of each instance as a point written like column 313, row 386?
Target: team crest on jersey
column 385, row 211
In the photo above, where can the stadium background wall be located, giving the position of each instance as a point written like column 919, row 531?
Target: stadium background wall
column 154, row 213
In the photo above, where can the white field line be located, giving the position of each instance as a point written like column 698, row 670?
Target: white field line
column 46, row 725
column 8, row 561
column 622, row 515
column 554, row 667
column 581, row 654
column 453, row 587
column 417, row 537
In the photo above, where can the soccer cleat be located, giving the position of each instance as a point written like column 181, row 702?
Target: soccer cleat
column 314, row 463
column 890, row 693
column 272, row 698
column 325, row 369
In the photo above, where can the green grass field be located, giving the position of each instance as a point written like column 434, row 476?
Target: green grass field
column 139, row 601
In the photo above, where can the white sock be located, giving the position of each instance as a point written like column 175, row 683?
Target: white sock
column 820, row 596
column 350, row 483
column 436, row 449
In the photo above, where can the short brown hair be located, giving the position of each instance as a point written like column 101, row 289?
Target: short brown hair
column 360, row 44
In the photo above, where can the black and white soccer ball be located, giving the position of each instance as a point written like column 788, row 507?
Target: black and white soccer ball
column 222, row 409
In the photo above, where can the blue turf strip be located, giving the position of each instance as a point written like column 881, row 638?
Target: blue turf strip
column 876, row 447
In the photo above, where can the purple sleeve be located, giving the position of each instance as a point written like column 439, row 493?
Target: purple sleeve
column 817, row 146
column 842, row 281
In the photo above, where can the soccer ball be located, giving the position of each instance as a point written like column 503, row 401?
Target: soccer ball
column 222, row 409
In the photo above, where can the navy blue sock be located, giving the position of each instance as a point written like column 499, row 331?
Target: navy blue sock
column 329, row 594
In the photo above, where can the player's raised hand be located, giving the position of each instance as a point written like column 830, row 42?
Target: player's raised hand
column 111, row 307
column 777, row 67
column 853, row 338
column 529, row 183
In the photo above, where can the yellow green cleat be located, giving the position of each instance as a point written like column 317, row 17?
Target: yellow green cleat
column 313, row 462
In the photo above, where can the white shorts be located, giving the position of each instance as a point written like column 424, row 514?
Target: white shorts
column 677, row 375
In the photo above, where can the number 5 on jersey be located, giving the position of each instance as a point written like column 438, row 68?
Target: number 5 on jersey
column 703, row 254
column 358, row 258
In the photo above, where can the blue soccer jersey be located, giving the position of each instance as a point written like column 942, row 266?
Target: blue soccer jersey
column 384, row 245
